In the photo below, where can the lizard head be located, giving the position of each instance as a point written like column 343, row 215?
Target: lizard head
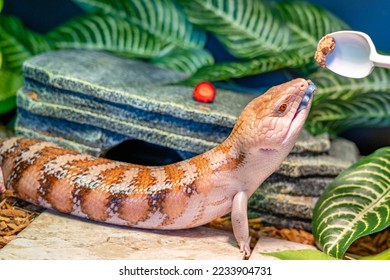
column 274, row 120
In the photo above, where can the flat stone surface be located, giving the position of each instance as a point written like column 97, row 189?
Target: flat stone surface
column 57, row 236
column 268, row 245
column 105, row 77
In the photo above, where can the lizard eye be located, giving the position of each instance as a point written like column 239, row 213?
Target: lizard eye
column 283, row 107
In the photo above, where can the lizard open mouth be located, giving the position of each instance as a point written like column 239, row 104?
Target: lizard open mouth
column 307, row 96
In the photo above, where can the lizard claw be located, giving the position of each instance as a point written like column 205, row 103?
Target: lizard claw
column 245, row 248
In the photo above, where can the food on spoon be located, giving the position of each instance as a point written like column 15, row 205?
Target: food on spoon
column 325, row 47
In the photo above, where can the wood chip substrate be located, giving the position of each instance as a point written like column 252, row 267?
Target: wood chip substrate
column 15, row 215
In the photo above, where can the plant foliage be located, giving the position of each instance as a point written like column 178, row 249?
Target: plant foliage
column 335, row 87
column 184, row 60
column 162, row 19
column 297, row 25
column 342, row 103
column 10, row 82
column 337, row 116
column 246, row 28
column 16, row 44
column 150, row 29
column 355, row 204
column 108, row 33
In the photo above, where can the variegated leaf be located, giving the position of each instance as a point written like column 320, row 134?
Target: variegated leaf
column 247, row 28
column 109, row 33
column 162, row 18
column 336, row 116
column 355, row 204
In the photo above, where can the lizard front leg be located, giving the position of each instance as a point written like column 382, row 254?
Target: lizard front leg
column 240, row 222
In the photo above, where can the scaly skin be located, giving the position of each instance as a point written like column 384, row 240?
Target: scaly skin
column 186, row 194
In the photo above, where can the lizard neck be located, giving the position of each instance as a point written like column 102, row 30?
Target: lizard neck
column 248, row 167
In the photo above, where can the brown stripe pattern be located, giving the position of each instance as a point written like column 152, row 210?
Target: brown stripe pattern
column 171, row 196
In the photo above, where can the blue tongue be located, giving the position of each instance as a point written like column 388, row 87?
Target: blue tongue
column 308, row 94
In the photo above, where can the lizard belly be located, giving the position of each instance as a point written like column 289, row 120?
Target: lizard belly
column 177, row 209
column 197, row 211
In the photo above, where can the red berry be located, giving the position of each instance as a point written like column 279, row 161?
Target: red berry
column 204, row 92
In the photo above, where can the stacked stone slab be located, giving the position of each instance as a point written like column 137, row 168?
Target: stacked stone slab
column 287, row 198
column 92, row 101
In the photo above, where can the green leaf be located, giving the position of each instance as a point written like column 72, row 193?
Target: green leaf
column 307, row 24
column 331, row 86
column 10, row 82
column 228, row 70
column 247, row 28
column 368, row 110
column 18, row 43
column 162, row 18
column 306, row 254
column 355, row 204
column 187, row 61
column 108, row 33
column 341, row 103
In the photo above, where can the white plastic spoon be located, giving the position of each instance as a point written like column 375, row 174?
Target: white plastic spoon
column 355, row 55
